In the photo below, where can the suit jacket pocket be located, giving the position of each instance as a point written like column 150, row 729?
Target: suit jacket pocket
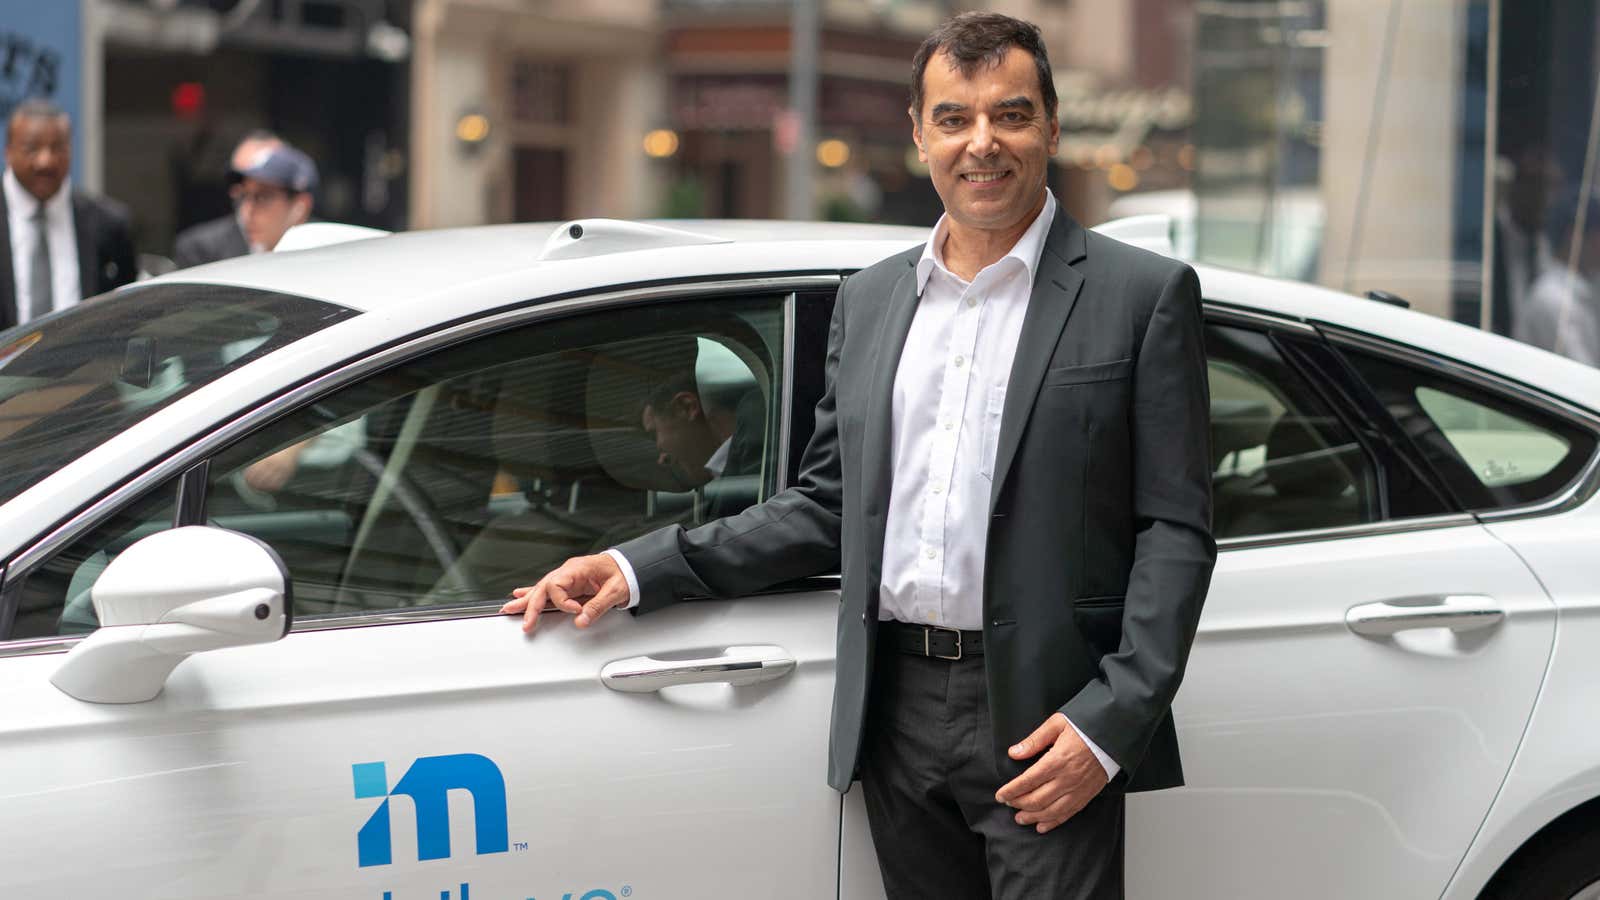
column 1099, row 620
column 1087, row 374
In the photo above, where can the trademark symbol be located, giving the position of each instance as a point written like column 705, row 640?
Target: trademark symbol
column 627, row 890
column 521, row 845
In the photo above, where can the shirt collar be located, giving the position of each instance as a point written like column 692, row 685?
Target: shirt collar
column 22, row 204
column 1026, row 250
column 718, row 462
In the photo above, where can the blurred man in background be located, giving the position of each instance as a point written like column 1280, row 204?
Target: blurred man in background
column 1562, row 312
column 60, row 245
column 1521, row 249
column 271, row 193
column 222, row 238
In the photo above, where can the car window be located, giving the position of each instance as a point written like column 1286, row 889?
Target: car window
column 455, row 477
column 73, row 379
column 1492, row 451
column 1281, row 460
column 54, row 597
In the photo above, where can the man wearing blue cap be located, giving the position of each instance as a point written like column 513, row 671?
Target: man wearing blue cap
column 271, row 192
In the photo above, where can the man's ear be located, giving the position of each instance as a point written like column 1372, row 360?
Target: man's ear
column 687, row 405
column 300, row 211
column 1055, row 134
column 916, row 135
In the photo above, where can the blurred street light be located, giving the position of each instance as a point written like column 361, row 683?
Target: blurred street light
column 472, row 130
column 833, row 153
column 661, row 143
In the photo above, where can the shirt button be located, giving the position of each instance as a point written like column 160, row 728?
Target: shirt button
column 930, row 616
column 971, row 302
column 937, row 489
column 949, row 425
column 932, row 553
column 960, row 361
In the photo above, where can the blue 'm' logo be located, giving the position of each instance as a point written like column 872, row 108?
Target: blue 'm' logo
column 428, row 783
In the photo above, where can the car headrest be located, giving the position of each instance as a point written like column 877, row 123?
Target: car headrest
column 619, row 380
column 539, row 421
column 1299, row 463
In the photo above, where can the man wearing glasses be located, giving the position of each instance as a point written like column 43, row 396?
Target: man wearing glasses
column 271, row 193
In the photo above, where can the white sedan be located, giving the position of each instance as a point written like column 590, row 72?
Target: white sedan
column 257, row 520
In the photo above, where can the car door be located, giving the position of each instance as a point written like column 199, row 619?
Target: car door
column 404, row 739
column 1363, row 670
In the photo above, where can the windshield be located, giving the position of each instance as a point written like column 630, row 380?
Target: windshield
column 73, row 379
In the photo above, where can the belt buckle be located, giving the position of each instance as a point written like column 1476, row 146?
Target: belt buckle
column 927, row 644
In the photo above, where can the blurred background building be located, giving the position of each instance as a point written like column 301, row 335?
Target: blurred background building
column 1422, row 148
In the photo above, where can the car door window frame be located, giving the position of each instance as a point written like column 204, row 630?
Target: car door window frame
column 190, row 460
column 1217, row 312
column 1582, row 486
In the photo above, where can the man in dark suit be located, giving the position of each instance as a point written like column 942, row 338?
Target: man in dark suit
column 1010, row 467
column 58, row 245
column 222, row 238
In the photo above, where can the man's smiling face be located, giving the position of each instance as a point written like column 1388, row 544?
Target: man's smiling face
column 987, row 139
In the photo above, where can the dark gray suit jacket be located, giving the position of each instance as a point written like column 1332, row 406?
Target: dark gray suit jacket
column 209, row 241
column 105, row 250
column 1099, row 550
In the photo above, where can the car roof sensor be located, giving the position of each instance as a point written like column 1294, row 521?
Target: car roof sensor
column 598, row 237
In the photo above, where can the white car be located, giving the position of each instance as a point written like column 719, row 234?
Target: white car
column 257, row 519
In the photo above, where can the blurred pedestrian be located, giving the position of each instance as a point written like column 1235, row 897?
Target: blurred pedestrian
column 222, row 237
column 1521, row 249
column 1563, row 309
column 271, row 193
column 60, row 245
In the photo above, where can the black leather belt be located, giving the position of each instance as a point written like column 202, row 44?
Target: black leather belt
column 930, row 640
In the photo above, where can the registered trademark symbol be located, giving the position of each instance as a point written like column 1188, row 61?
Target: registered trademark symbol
column 627, row 890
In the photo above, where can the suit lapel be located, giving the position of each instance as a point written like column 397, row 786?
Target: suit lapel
column 88, row 257
column 1055, row 292
column 877, row 439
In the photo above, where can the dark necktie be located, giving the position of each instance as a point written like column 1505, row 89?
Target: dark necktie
column 39, row 280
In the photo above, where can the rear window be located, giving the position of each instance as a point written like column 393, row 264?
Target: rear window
column 73, row 379
column 1492, row 451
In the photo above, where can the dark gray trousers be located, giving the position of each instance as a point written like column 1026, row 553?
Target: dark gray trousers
column 929, row 775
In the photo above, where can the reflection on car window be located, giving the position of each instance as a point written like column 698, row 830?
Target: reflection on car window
column 72, row 380
column 1491, row 451
column 1281, row 460
column 54, row 598
column 1500, row 449
column 456, row 477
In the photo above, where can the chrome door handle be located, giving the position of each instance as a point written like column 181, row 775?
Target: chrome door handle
column 735, row 665
column 1457, row 612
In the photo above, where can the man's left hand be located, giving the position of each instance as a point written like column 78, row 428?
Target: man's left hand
column 1062, row 782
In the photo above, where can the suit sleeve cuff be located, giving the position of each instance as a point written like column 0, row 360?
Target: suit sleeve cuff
column 633, row 597
column 1106, row 762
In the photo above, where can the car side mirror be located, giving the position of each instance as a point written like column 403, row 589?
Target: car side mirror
column 177, row 592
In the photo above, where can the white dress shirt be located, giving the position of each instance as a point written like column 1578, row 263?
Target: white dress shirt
column 1562, row 314
column 719, row 459
column 949, row 392
column 20, row 207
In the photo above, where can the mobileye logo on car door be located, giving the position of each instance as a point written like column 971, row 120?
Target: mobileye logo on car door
column 428, row 783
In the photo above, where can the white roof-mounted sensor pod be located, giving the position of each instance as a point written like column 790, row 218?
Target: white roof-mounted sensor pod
column 325, row 234
column 598, row 237
column 1151, row 232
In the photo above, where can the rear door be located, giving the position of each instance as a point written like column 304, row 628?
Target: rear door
column 405, row 740
column 1365, row 666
